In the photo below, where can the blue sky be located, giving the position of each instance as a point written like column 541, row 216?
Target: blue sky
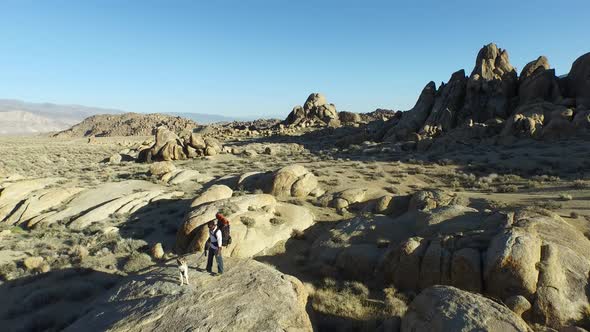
column 260, row 58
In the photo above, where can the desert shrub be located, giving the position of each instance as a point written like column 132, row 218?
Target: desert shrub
column 277, row 221
column 581, row 184
column 331, row 301
column 338, row 237
column 79, row 253
column 455, row 184
column 395, row 303
column 6, row 270
column 507, row 188
column 351, row 303
column 228, row 209
column 126, row 246
column 565, row 197
column 508, row 178
column 531, row 184
column 136, row 262
column 545, row 178
column 248, row 221
column 549, row 205
column 356, row 288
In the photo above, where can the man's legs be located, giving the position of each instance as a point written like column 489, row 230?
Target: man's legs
column 210, row 259
column 219, row 260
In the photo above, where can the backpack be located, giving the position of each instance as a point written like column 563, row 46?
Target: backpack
column 223, row 225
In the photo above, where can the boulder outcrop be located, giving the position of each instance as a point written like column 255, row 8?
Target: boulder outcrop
column 496, row 105
column 168, row 146
column 32, row 203
column 446, row 308
column 578, row 81
column 449, row 100
column 249, row 296
column 539, row 257
column 315, row 112
column 292, row 180
column 258, row 222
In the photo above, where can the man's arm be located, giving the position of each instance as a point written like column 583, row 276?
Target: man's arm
column 219, row 239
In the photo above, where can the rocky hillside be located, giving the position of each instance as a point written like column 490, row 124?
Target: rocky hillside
column 127, row 124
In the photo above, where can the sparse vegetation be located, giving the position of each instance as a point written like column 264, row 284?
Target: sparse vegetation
column 248, row 221
column 136, row 262
column 565, row 197
column 277, row 221
column 507, row 188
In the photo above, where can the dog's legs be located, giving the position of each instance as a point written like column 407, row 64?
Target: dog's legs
column 181, row 279
column 186, row 275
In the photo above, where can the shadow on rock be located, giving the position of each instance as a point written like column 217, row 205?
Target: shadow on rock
column 51, row 301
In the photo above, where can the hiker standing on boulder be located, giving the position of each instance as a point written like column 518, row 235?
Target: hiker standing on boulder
column 215, row 244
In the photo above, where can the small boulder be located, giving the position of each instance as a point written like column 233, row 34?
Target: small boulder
column 157, row 251
column 446, row 308
column 161, row 168
column 519, row 304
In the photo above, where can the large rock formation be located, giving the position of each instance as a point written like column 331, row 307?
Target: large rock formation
column 496, row 105
column 445, row 308
column 448, row 102
column 249, row 296
column 539, row 257
column 537, row 82
column 413, row 119
column 315, row 112
column 127, row 124
column 258, row 222
column 578, row 82
column 491, row 86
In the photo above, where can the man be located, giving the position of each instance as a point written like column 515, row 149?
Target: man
column 215, row 245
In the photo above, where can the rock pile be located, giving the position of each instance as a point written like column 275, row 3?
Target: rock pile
column 494, row 101
column 168, row 146
column 315, row 112
column 293, row 180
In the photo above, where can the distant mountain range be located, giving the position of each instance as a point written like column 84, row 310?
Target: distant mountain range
column 23, row 118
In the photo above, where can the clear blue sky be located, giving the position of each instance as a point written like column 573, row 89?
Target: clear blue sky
column 249, row 58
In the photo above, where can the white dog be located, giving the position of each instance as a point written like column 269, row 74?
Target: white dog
column 183, row 267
